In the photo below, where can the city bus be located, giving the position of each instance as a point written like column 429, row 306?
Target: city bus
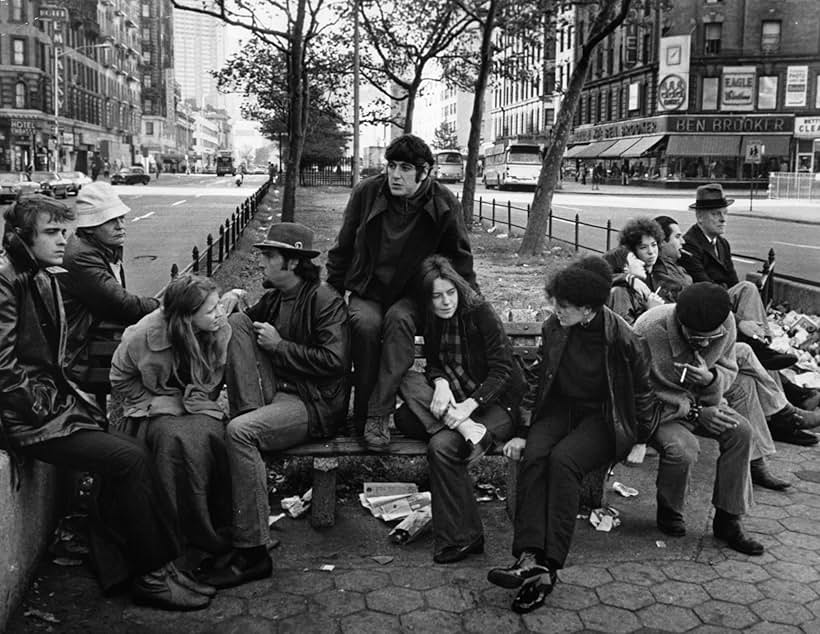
column 449, row 166
column 512, row 163
column 224, row 163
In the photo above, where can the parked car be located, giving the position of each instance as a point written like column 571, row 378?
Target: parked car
column 13, row 184
column 130, row 176
column 50, row 184
column 76, row 181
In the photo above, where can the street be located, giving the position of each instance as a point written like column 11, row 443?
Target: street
column 796, row 245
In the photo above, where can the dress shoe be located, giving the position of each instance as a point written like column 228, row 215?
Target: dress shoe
column 670, row 522
column 762, row 477
column 532, row 594
column 452, row 554
column 239, row 570
column 377, row 433
column 726, row 527
column 787, row 426
column 158, row 589
column 526, row 569
column 477, row 450
column 188, row 581
column 769, row 358
column 803, row 397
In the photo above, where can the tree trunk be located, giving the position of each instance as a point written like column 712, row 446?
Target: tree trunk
column 296, row 91
column 471, row 171
column 412, row 93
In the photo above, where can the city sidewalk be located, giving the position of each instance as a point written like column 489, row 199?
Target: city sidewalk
column 632, row 579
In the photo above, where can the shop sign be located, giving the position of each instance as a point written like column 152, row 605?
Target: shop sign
column 738, row 124
column 672, row 93
column 673, row 72
column 68, row 138
column 797, row 80
column 737, row 88
column 23, row 127
column 807, row 127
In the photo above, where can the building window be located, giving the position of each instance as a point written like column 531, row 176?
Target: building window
column 146, row 10
column 817, row 91
column 18, row 13
column 20, row 95
column 767, row 93
column 646, row 49
column 712, row 34
column 709, row 98
column 18, row 48
column 770, row 36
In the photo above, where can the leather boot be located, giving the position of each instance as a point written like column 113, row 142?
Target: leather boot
column 377, row 433
column 787, row 426
column 726, row 527
column 761, row 476
column 159, row 589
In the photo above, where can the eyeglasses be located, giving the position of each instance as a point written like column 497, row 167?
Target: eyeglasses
column 702, row 340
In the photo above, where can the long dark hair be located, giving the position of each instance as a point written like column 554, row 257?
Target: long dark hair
column 183, row 297
column 438, row 267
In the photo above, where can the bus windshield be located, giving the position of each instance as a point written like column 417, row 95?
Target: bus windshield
column 524, row 154
column 448, row 157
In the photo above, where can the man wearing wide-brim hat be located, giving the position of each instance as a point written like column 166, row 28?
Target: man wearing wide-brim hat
column 287, row 363
column 94, row 285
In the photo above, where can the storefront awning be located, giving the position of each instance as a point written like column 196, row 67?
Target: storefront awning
column 573, row 151
column 593, row 150
column 643, row 146
column 704, row 145
column 772, row 145
column 620, row 146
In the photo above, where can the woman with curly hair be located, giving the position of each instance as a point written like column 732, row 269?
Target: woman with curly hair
column 467, row 398
column 593, row 403
column 168, row 371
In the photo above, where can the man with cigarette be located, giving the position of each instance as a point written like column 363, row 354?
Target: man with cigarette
column 694, row 370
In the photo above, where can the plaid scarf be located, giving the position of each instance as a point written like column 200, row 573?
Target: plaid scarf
column 451, row 355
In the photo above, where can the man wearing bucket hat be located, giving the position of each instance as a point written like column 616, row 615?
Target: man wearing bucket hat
column 94, row 283
column 287, row 362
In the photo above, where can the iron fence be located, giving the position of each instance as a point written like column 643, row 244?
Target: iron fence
column 794, row 185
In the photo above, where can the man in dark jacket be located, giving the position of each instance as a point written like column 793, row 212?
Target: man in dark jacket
column 94, row 284
column 287, row 362
column 45, row 416
column 392, row 222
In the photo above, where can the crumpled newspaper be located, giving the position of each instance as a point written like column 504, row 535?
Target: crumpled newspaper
column 296, row 506
column 798, row 334
column 605, row 518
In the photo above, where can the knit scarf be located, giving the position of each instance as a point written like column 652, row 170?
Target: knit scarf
column 451, row 355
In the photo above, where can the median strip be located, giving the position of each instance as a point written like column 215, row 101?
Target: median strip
column 148, row 215
column 179, row 202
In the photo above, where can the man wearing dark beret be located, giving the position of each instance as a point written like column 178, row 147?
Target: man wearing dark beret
column 693, row 370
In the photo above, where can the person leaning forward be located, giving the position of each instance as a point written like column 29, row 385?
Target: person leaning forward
column 391, row 224
column 287, row 363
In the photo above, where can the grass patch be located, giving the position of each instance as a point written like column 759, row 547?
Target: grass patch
column 515, row 289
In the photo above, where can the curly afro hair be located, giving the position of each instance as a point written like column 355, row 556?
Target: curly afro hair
column 584, row 282
column 636, row 228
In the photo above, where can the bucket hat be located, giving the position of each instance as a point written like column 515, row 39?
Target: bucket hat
column 97, row 203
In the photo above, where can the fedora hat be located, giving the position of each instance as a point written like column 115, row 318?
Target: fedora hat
column 97, row 203
column 710, row 196
column 292, row 237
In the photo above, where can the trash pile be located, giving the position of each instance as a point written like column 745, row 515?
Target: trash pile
column 393, row 501
column 798, row 334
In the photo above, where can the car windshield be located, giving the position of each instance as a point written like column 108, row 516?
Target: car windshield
column 449, row 157
column 39, row 177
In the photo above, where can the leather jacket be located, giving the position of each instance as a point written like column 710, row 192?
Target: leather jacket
column 38, row 402
column 631, row 407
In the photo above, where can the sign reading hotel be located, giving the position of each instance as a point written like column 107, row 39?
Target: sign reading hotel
column 737, row 88
column 797, row 81
column 673, row 74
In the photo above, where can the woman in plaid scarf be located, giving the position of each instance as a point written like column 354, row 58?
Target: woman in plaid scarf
column 467, row 399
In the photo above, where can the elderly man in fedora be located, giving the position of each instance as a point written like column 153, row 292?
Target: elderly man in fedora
column 287, row 362
column 93, row 286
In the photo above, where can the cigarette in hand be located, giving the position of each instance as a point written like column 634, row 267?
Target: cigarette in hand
column 683, row 375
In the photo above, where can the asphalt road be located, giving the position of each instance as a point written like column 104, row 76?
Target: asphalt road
column 796, row 245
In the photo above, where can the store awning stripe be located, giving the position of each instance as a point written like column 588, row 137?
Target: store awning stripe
column 622, row 145
column 704, row 145
column 772, row 145
column 593, row 150
column 643, row 145
column 574, row 150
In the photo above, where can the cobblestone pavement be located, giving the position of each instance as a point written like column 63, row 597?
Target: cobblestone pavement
column 632, row 579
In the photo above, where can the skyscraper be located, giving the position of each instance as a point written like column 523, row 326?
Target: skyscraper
column 199, row 48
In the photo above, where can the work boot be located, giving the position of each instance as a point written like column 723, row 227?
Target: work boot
column 532, row 594
column 761, row 476
column 529, row 567
column 726, row 527
column 788, row 424
column 159, row 589
column 377, row 433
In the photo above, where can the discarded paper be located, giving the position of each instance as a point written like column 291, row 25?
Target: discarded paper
column 297, row 506
column 624, row 490
column 412, row 526
column 604, row 519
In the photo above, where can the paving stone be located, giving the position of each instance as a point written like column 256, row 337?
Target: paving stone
column 689, row 571
column 787, row 590
column 800, row 540
column 362, row 580
column 640, row 574
column 495, row 597
column 709, row 629
column 802, row 497
column 801, row 525
column 278, row 605
column 571, row 597
column 222, row 607
column 772, row 498
column 253, row 589
column 768, row 512
column 796, row 555
column 762, row 526
column 451, row 598
column 733, row 591
column 760, row 560
column 244, row 625
column 419, row 578
column 679, row 593
column 305, row 583
column 782, row 628
column 306, row 623
column 394, row 600
column 725, row 614
column 549, row 619
column 625, row 595
column 431, row 621
column 369, row 623
column 778, row 611
column 339, row 602
column 811, row 626
column 814, row 606
column 609, row 619
column 668, row 618
column 148, row 616
column 741, row 570
column 586, row 576
column 492, row 619
column 799, row 510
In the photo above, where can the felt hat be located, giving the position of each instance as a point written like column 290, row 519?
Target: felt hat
column 710, row 196
column 703, row 306
column 291, row 237
column 97, row 203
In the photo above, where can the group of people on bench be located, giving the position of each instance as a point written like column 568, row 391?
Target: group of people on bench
column 180, row 474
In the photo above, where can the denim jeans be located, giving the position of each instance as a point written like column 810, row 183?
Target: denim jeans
column 456, row 520
column 747, row 305
column 382, row 352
